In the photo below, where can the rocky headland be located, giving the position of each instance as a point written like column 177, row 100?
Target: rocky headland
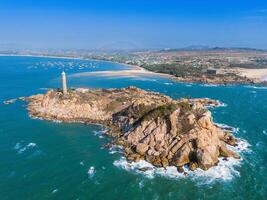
column 148, row 125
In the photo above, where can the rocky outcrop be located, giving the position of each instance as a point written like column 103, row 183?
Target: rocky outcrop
column 148, row 125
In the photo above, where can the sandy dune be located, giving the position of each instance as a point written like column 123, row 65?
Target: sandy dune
column 256, row 74
column 260, row 74
column 127, row 73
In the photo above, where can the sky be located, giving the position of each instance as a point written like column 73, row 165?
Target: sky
column 115, row 24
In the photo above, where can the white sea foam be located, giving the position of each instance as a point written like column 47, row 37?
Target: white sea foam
column 113, row 152
column 143, row 78
column 227, row 128
column 242, row 146
column 54, row 191
column 45, row 89
column 91, row 172
column 256, row 87
column 209, row 85
column 216, row 106
column 20, row 151
column 141, row 184
column 22, row 148
column 136, row 166
column 17, row 146
column 101, row 133
column 222, row 105
column 224, row 171
column 40, row 118
column 168, row 83
column 115, row 149
column 260, row 145
column 31, row 144
column 57, row 121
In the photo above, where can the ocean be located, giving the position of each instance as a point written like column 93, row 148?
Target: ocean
column 51, row 160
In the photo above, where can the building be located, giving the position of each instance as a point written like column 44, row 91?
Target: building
column 211, row 71
column 64, row 83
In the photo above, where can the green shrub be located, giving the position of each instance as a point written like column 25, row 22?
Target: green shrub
column 175, row 69
column 160, row 111
column 185, row 106
column 200, row 112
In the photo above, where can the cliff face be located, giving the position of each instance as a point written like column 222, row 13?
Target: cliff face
column 148, row 125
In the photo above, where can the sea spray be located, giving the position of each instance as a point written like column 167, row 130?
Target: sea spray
column 20, row 148
column 91, row 172
column 225, row 170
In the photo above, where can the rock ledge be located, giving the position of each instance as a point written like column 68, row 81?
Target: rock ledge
column 148, row 125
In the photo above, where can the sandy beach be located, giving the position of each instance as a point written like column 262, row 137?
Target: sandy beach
column 259, row 74
column 136, row 71
column 255, row 74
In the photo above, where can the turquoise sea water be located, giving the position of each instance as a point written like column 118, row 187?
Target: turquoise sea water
column 48, row 160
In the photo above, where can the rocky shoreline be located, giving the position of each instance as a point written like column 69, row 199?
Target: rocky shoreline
column 149, row 126
column 232, row 79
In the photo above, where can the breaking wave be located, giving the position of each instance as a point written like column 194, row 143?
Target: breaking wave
column 256, row 87
column 20, row 148
column 225, row 170
column 242, row 146
column 100, row 133
column 115, row 149
column 168, row 83
column 210, row 85
column 54, row 191
column 227, row 127
column 91, row 172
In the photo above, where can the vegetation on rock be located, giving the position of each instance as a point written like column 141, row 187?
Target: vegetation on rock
column 148, row 125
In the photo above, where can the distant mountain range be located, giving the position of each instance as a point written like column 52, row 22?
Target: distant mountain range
column 204, row 47
column 121, row 46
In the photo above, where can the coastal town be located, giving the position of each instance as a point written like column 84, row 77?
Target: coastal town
column 216, row 65
column 211, row 66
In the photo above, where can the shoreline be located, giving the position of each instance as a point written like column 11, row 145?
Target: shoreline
column 70, row 58
column 134, row 68
column 137, row 70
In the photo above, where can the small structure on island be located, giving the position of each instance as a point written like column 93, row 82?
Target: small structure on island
column 211, row 71
column 64, row 83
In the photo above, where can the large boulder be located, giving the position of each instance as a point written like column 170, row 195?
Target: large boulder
column 141, row 148
column 181, row 157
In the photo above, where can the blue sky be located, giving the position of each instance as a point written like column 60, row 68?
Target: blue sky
column 138, row 23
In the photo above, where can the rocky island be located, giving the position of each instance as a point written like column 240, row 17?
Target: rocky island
column 148, row 125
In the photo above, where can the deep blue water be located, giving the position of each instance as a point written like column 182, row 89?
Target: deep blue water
column 48, row 160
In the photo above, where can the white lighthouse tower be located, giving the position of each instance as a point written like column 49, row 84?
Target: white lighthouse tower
column 64, row 83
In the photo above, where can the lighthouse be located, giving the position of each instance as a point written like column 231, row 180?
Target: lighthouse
column 64, row 83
